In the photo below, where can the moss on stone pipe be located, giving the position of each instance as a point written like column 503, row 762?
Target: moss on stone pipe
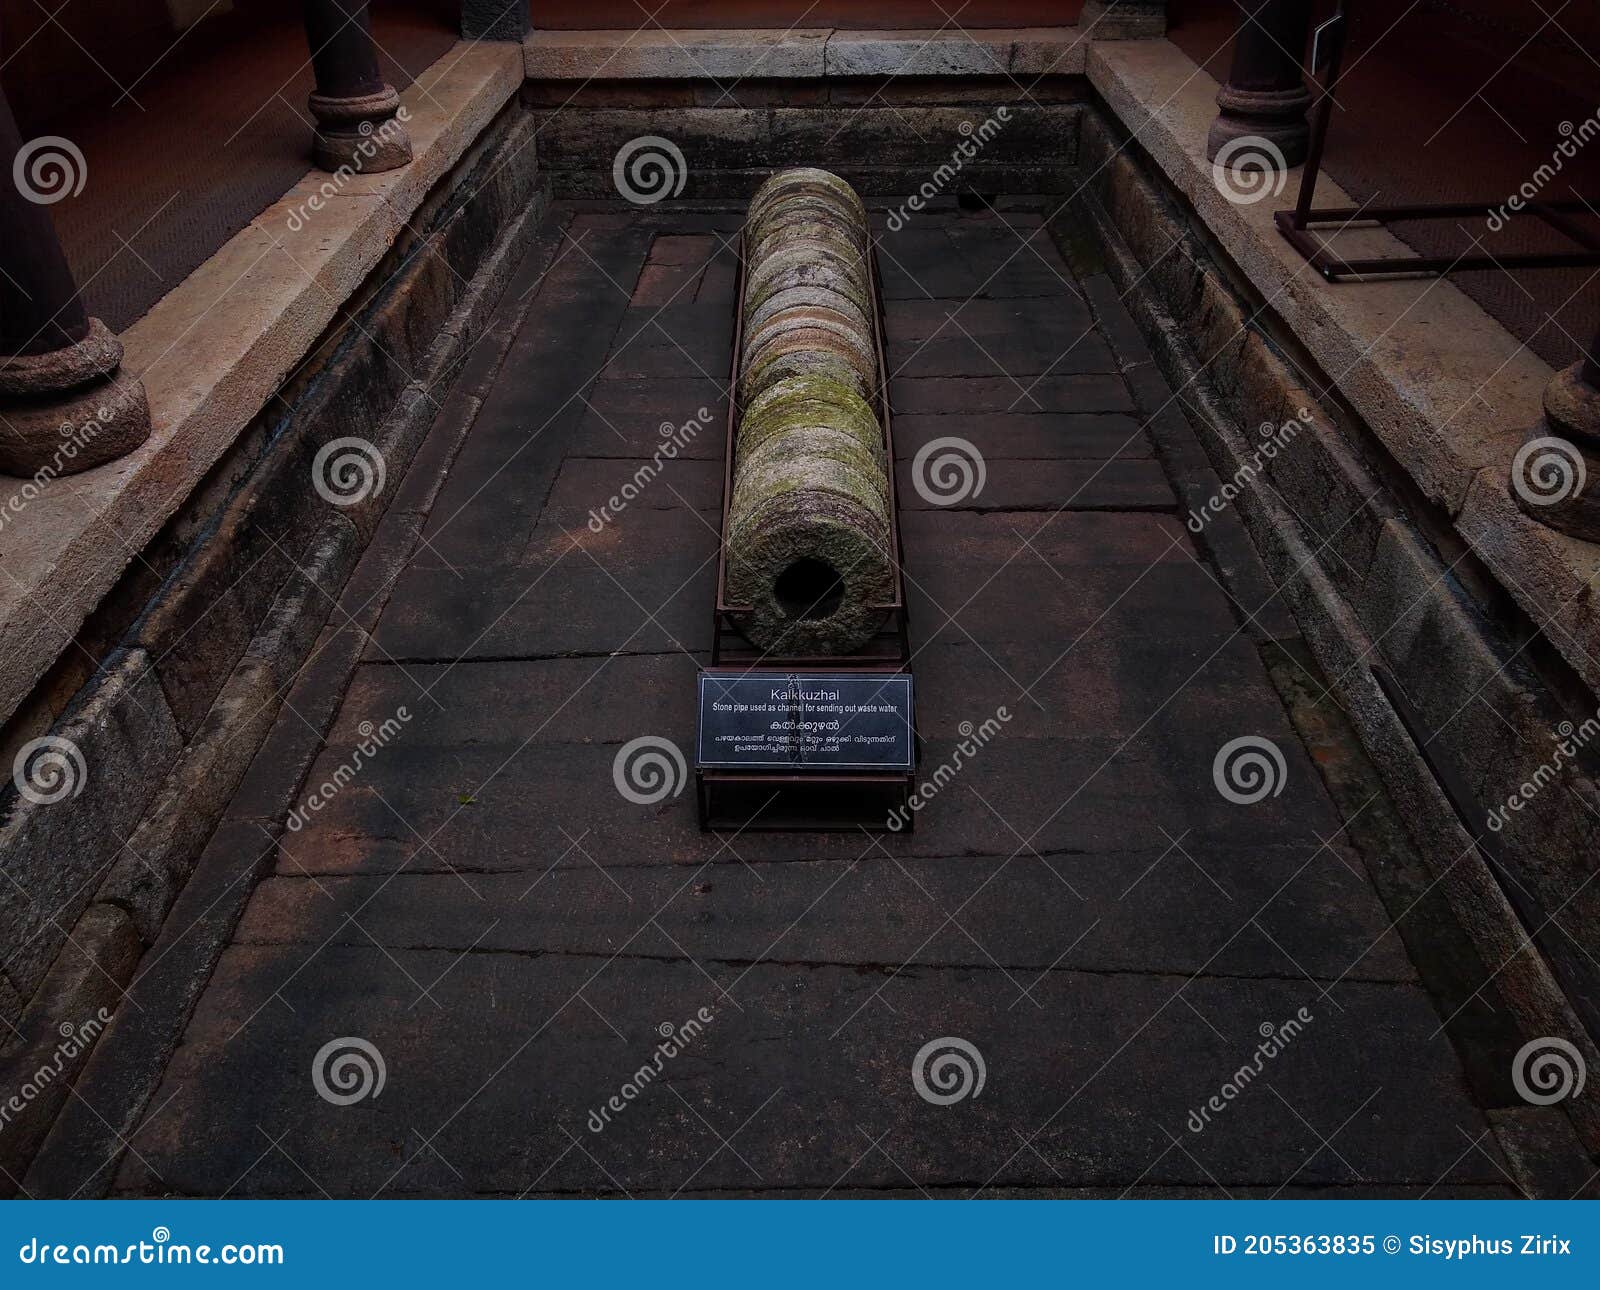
column 806, row 318
column 809, row 547
column 810, row 400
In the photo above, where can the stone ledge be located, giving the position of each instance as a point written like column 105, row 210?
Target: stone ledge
column 1447, row 390
column 822, row 53
column 668, row 55
column 211, row 352
column 1384, row 599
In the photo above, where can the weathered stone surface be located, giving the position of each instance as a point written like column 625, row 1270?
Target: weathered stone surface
column 1398, row 588
column 159, row 857
column 74, row 430
column 947, row 394
column 1118, row 912
column 777, row 341
column 841, row 324
column 804, row 269
column 57, row 1034
column 1486, row 706
column 55, row 852
column 1550, row 574
column 1088, row 834
column 918, row 53
column 881, row 148
column 494, row 20
column 1129, row 1055
column 801, row 182
column 80, row 1156
column 743, row 58
column 118, row 1086
column 1543, row 1153
column 264, row 298
column 11, row 1003
column 1052, row 485
column 799, row 402
column 1441, row 409
column 809, row 547
column 1038, row 436
column 808, row 297
column 726, row 55
column 641, row 583
column 805, row 233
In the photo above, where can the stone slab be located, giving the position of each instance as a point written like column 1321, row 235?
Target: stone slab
column 929, row 260
column 946, row 394
column 805, row 1067
column 1048, row 486
column 643, row 582
column 586, row 486
column 1050, row 688
column 1086, row 436
column 727, row 55
column 1197, row 915
column 732, row 55
column 80, row 1155
column 1051, row 321
column 524, row 805
column 1025, row 357
column 497, row 485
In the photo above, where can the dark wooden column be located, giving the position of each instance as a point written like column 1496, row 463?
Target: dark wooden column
column 355, row 107
column 1556, row 476
column 1266, row 95
column 495, row 19
column 64, row 405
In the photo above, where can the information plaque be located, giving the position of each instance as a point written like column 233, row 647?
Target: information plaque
column 800, row 721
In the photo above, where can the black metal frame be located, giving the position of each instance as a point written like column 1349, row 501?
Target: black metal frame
column 872, row 794
column 1297, row 225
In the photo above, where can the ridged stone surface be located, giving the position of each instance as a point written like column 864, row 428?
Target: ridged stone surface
column 809, row 546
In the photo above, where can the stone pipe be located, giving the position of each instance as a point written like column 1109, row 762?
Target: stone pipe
column 810, row 550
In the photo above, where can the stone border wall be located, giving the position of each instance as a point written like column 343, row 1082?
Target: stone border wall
column 729, row 145
column 246, row 578
column 1369, row 571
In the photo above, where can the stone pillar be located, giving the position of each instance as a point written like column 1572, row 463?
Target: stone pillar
column 1266, row 95
column 64, row 405
column 1555, row 476
column 355, row 108
column 1123, row 19
column 495, row 19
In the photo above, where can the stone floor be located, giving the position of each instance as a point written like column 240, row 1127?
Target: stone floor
column 1081, row 905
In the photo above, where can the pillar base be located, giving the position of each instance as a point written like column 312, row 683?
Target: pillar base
column 70, row 409
column 1556, row 474
column 1277, row 116
column 361, row 134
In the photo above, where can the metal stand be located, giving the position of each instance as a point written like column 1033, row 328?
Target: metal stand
column 1296, row 225
column 777, row 801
